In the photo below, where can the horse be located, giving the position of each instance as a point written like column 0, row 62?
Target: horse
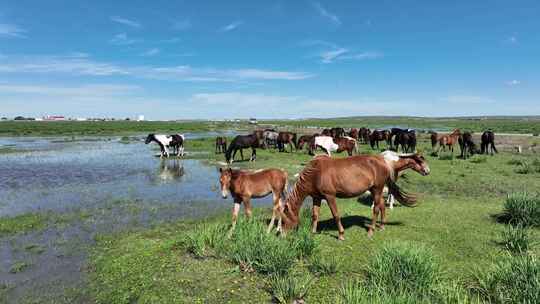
column 260, row 138
column 286, row 138
column 337, row 132
column 353, row 133
column 270, row 137
column 221, row 144
column 380, row 135
column 434, row 139
column 488, row 140
column 407, row 140
column 346, row 144
column 467, row 145
column 330, row 178
column 448, row 140
column 241, row 142
column 326, row 132
column 306, row 140
column 326, row 143
column 364, row 133
column 175, row 141
column 244, row 185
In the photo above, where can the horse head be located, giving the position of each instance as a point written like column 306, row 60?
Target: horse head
column 419, row 163
column 225, row 181
column 149, row 138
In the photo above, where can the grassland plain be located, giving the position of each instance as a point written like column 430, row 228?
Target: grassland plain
column 456, row 220
column 526, row 125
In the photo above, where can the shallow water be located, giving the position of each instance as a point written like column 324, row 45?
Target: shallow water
column 116, row 185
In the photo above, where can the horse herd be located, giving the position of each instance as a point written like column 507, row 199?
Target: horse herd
column 324, row 177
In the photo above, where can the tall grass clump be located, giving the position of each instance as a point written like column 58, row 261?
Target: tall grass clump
column 205, row 240
column 522, row 208
column 446, row 156
column 515, row 279
column 403, row 269
column 524, row 168
column 289, row 288
column 478, row 159
column 255, row 250
column 303, row 240
column 516, row 239
column 324, row 266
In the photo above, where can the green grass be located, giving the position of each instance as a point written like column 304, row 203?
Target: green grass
column 516, row 239
column 522, row 208
column 19, row 266
column 21, row 223
column 290, row 288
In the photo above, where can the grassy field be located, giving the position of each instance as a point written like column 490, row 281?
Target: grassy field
column 528, row 125
column 457, row 223
column 455, row 247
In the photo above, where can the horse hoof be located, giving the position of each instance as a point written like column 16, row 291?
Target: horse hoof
column 341, row 238
column 370, row 234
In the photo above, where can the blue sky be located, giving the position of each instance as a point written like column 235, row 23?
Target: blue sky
column 269, row 59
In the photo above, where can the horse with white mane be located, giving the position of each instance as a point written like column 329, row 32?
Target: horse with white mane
column 175, row 141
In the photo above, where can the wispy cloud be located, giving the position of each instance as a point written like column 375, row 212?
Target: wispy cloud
column 125, row 21
column 12, row 30
column 150, row 52
column 331, row 52
column 326, row 14
column 181, row 25
column 231, row 26
column 513, row 82
column 87, row 67
column 122, row 39
column 511, row 40
column 330, row 56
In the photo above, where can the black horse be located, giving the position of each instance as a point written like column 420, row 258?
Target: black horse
column 404, row 137
column 467, row 145
column 488, row 140
column 221, row 144
column 241, row 142
column 407, row 140
column 380, row 135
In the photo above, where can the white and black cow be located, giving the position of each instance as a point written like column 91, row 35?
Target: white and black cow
column 175, row 141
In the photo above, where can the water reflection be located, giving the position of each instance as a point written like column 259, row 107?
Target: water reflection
column 171, row 170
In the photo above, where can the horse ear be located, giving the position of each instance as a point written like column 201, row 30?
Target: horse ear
column 220, row 170
column 230, row 170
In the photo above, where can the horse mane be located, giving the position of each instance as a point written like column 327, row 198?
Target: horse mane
column 300, row 190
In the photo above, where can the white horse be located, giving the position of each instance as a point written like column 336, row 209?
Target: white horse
column 390, row 157
column 175, row 141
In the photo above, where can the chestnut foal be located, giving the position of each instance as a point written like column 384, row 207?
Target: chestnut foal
column 244, row 185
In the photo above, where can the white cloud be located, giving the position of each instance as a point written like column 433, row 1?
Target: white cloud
column 513, row 82
column 12, row 30
column 181, row 25
column 361, row 56
column 329, row 56
column 122, row 39
column 324, row 13
column 335, row 53
column 62, row 91
column 87, row 67
column 150, row 52
column 231, row 27
column 124, row 21
column 467, row 99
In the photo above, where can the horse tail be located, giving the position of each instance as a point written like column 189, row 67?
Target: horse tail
column 403, row 197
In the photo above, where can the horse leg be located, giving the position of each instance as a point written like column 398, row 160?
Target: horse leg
column 377, row 195
column 493, row 148
column 247, row 207
column 275, row 209
column 242, row 153
column 253, row 154
column 234, row 154
column 235, row 210
column 333, row 207
column 315, row 214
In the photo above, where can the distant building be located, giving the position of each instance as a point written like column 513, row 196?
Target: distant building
column 253, row 121
column 80, row 119
column 140, row 118
column 54, row 118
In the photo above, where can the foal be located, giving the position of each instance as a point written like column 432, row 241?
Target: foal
column 244, row 185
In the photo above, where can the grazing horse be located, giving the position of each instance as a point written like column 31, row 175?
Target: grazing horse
column 364, row 134
column 467, row 145
column 221, row 144
column 380, row 135
column 270, row 137
column 306, row 140
column 326, row 143
column 244, row 185
column 407, row 140
column 327, row 132
column 241, row 142
column 449, row 140
column 286, row 138
column 330, row 178
column 346, row 144
column 354, row 133
column 337, row 132
column 175, row 141
column 488, row 141
column 434, row 139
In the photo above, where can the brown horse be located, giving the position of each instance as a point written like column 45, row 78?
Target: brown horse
column 221, row 144
column 346, row 144
column 354, row 133
column 434, row 139
column 449, row 140
column 306, row 140
column 244, row 185
column 380, row 135
column 330, row 178
column 286, row 138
